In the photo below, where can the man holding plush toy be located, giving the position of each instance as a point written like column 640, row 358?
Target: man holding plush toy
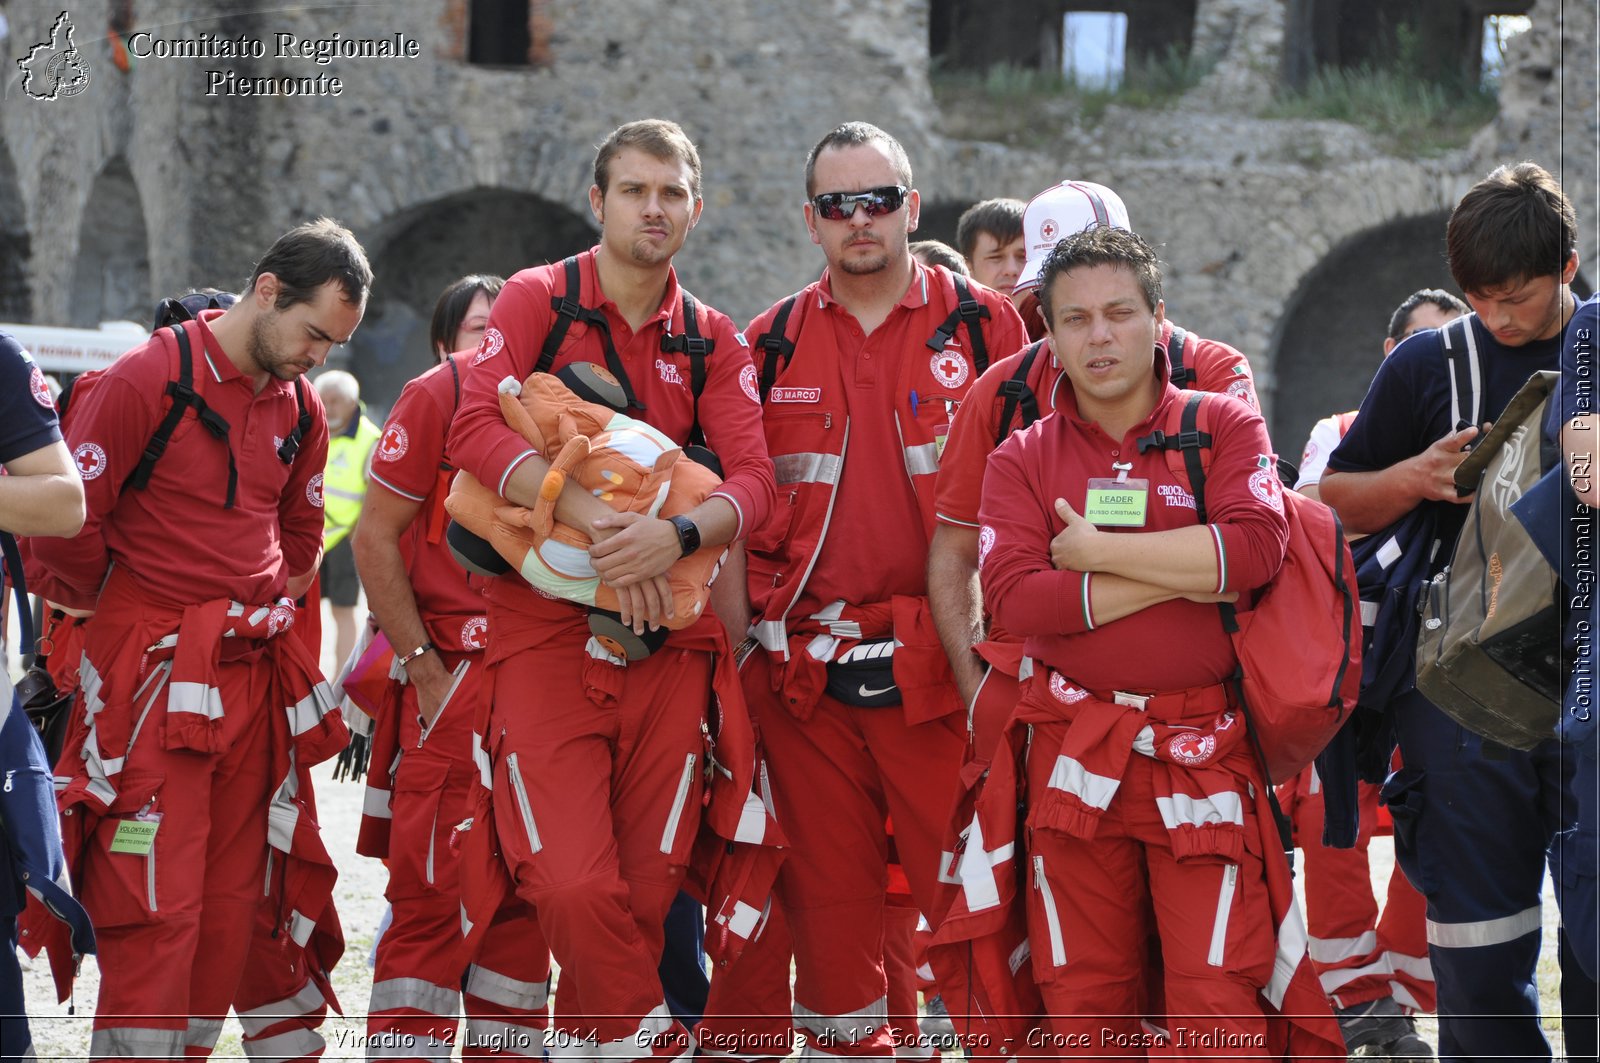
column 596, row 745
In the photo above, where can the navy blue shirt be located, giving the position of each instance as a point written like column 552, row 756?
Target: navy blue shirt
column 1407, row 408
column 27, row 413
column 1575, row 394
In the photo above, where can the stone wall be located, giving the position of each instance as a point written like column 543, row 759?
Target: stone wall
column 1245, row 209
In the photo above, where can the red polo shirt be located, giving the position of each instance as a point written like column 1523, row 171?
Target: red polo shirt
column 1167, row 647
column 410, row 460
column 877, row 546
column 174, row 536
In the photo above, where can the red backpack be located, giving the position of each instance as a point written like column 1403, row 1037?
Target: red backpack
column 1299, row 643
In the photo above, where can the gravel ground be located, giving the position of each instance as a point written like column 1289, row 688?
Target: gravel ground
column 60, row 1035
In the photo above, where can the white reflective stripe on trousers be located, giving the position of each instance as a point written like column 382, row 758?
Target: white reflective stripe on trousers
column 417, row 994
column 124, row 1041
column 507, row 992
column 307, row 1000
column 1484, row 932
column 298, row 1043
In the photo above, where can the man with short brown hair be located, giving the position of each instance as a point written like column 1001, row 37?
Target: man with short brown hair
column 200, row 717
column 597, row 763
column 989, row 237
column 1473, row 820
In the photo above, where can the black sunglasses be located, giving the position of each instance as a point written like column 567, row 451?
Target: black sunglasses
column 841, row 206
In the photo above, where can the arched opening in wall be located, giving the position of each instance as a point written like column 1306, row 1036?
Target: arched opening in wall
column 1329, row 340
column 111, row 277
column 1092, row 41
column 16, row 303
column 416, row 254
column 1446, row 41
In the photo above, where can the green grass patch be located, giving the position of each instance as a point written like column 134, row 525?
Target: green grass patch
column 1008, row 101
column 1407, row 111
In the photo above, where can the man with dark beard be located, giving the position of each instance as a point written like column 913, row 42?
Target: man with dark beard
column 198, row 712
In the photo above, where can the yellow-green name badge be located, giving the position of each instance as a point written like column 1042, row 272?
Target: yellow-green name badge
column 135, row 836
column 1116, row 503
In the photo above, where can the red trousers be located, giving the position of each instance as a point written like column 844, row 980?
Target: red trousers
column 748, row 1011
column 1088, row 905
column 174, row 924
column 597, row 800
column 1358, row 956
column 835, row 778
column 415, row 993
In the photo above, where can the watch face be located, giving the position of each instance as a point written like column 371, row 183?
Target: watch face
column 688, row 535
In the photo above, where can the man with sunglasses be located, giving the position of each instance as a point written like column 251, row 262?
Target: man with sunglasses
column 596, row 762
column 853, row 695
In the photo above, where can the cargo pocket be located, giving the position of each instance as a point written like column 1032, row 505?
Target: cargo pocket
column 1242, row 941
column 683, row 814
column 418, row 841
column 1404, row 793
column 125, row 881
column 1045, row 933
column 521, row 808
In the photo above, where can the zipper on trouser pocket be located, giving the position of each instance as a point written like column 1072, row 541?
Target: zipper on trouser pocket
column 1219, row 928
column 520, row 791
column 670, row 834
column 433, row 830
column 1058, row 947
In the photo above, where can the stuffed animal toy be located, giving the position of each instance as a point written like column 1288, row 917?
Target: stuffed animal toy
column 624, row 462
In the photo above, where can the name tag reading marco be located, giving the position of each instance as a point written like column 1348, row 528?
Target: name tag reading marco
column 1116, row 503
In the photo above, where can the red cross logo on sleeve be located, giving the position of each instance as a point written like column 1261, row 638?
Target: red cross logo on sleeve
column 90, row 459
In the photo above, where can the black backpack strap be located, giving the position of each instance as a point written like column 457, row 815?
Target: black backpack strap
column 302, row 425
column 455, row 380
column 698, row 349
column 1182, row 375
column 184, row 396
column 1019, row 395
column 970, row 312
column 568, row 309
column 19, row 587
column 1466, row 373
column 1189, row 442
column 774, row 344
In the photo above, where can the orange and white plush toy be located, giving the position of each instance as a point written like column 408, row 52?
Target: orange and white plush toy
column 624, row 462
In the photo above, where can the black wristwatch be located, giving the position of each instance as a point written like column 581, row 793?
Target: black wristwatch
column 688, row 535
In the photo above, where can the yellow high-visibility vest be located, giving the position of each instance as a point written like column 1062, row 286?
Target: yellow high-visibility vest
column 344, row 480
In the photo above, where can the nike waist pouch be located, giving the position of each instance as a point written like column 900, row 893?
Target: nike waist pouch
column 863, row 676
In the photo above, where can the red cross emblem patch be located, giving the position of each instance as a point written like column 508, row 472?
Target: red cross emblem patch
column 950, row 368
column 90, row 459
column 392, row 447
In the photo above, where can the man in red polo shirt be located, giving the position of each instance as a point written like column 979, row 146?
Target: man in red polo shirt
column 597, row 763
column 200, row 718
column 1146, row 809
column 853, row 696
column 1011, row 395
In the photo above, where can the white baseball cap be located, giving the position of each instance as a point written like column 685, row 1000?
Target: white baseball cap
column 1056, row 213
